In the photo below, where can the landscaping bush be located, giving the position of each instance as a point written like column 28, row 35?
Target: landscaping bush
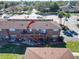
column 61, row 39
column 77, row 19
column 64, row 27
column 78, row 25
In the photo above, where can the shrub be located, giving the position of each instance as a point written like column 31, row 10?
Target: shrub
column 78, row 25
column 61, row 38
column 77, row 19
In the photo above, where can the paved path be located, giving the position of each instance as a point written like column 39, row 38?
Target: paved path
column 75, row 53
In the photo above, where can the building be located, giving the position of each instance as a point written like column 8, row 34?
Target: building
column 69, row 8
column 48, row 53
column 38, row 29
column 29, row 27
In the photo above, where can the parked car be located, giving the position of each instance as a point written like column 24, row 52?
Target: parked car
column 73, row 32
column 67, row 33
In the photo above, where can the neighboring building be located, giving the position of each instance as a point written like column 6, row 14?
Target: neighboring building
column 25, row 17
column 69, row 8
column 34, row 27
column 48, row 53
column 29, row 29
column 32, row 16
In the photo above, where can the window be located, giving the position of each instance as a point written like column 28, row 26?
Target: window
column 6, row 37
column 54, row 36
column 56, row 29
column 43, row 31
column 13, row 37
column 37, row 29
column 12, row 29
column 30, row 30
column 24, row 31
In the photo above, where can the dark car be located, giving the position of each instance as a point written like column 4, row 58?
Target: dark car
column 67, row 33
column 73, row 32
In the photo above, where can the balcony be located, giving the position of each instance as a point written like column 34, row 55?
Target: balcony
column 30, row 31
column 24, row 32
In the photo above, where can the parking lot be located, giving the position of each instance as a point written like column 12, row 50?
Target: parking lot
column 71, row 24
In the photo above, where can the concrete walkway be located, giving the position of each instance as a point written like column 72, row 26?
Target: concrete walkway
column 75, row 53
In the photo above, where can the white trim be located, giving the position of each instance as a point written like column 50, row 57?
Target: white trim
column 12, row 29
column 56, row 30
column 43, row 30
column 54, row 35
column 30, row 30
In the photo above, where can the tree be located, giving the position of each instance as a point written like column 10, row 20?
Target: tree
column 73, row 3
column 54, row 7
column 61, row 15
column 1, row 2
column 5, row 5
column 67, row 15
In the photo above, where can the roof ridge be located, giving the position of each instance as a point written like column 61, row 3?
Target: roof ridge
column 36, row 54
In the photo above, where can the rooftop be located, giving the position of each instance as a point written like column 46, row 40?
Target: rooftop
column 48, row 53
column 29, row 17
column 24, row 24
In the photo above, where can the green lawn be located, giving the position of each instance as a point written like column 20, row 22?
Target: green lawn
column 77, row 57
column 10, row 56
column 73, row 46
column 74, row 13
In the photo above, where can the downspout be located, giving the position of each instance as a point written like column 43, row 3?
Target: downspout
column 30, row 24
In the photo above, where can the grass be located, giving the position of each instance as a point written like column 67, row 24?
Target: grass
column 74, row 13
column 76, row 57
column 73, row 46
column 10, row 56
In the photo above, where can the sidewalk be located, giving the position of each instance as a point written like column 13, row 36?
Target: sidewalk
column 75, row 53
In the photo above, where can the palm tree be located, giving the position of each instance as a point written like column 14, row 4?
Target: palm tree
column 67, row 15
column 61, row 15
